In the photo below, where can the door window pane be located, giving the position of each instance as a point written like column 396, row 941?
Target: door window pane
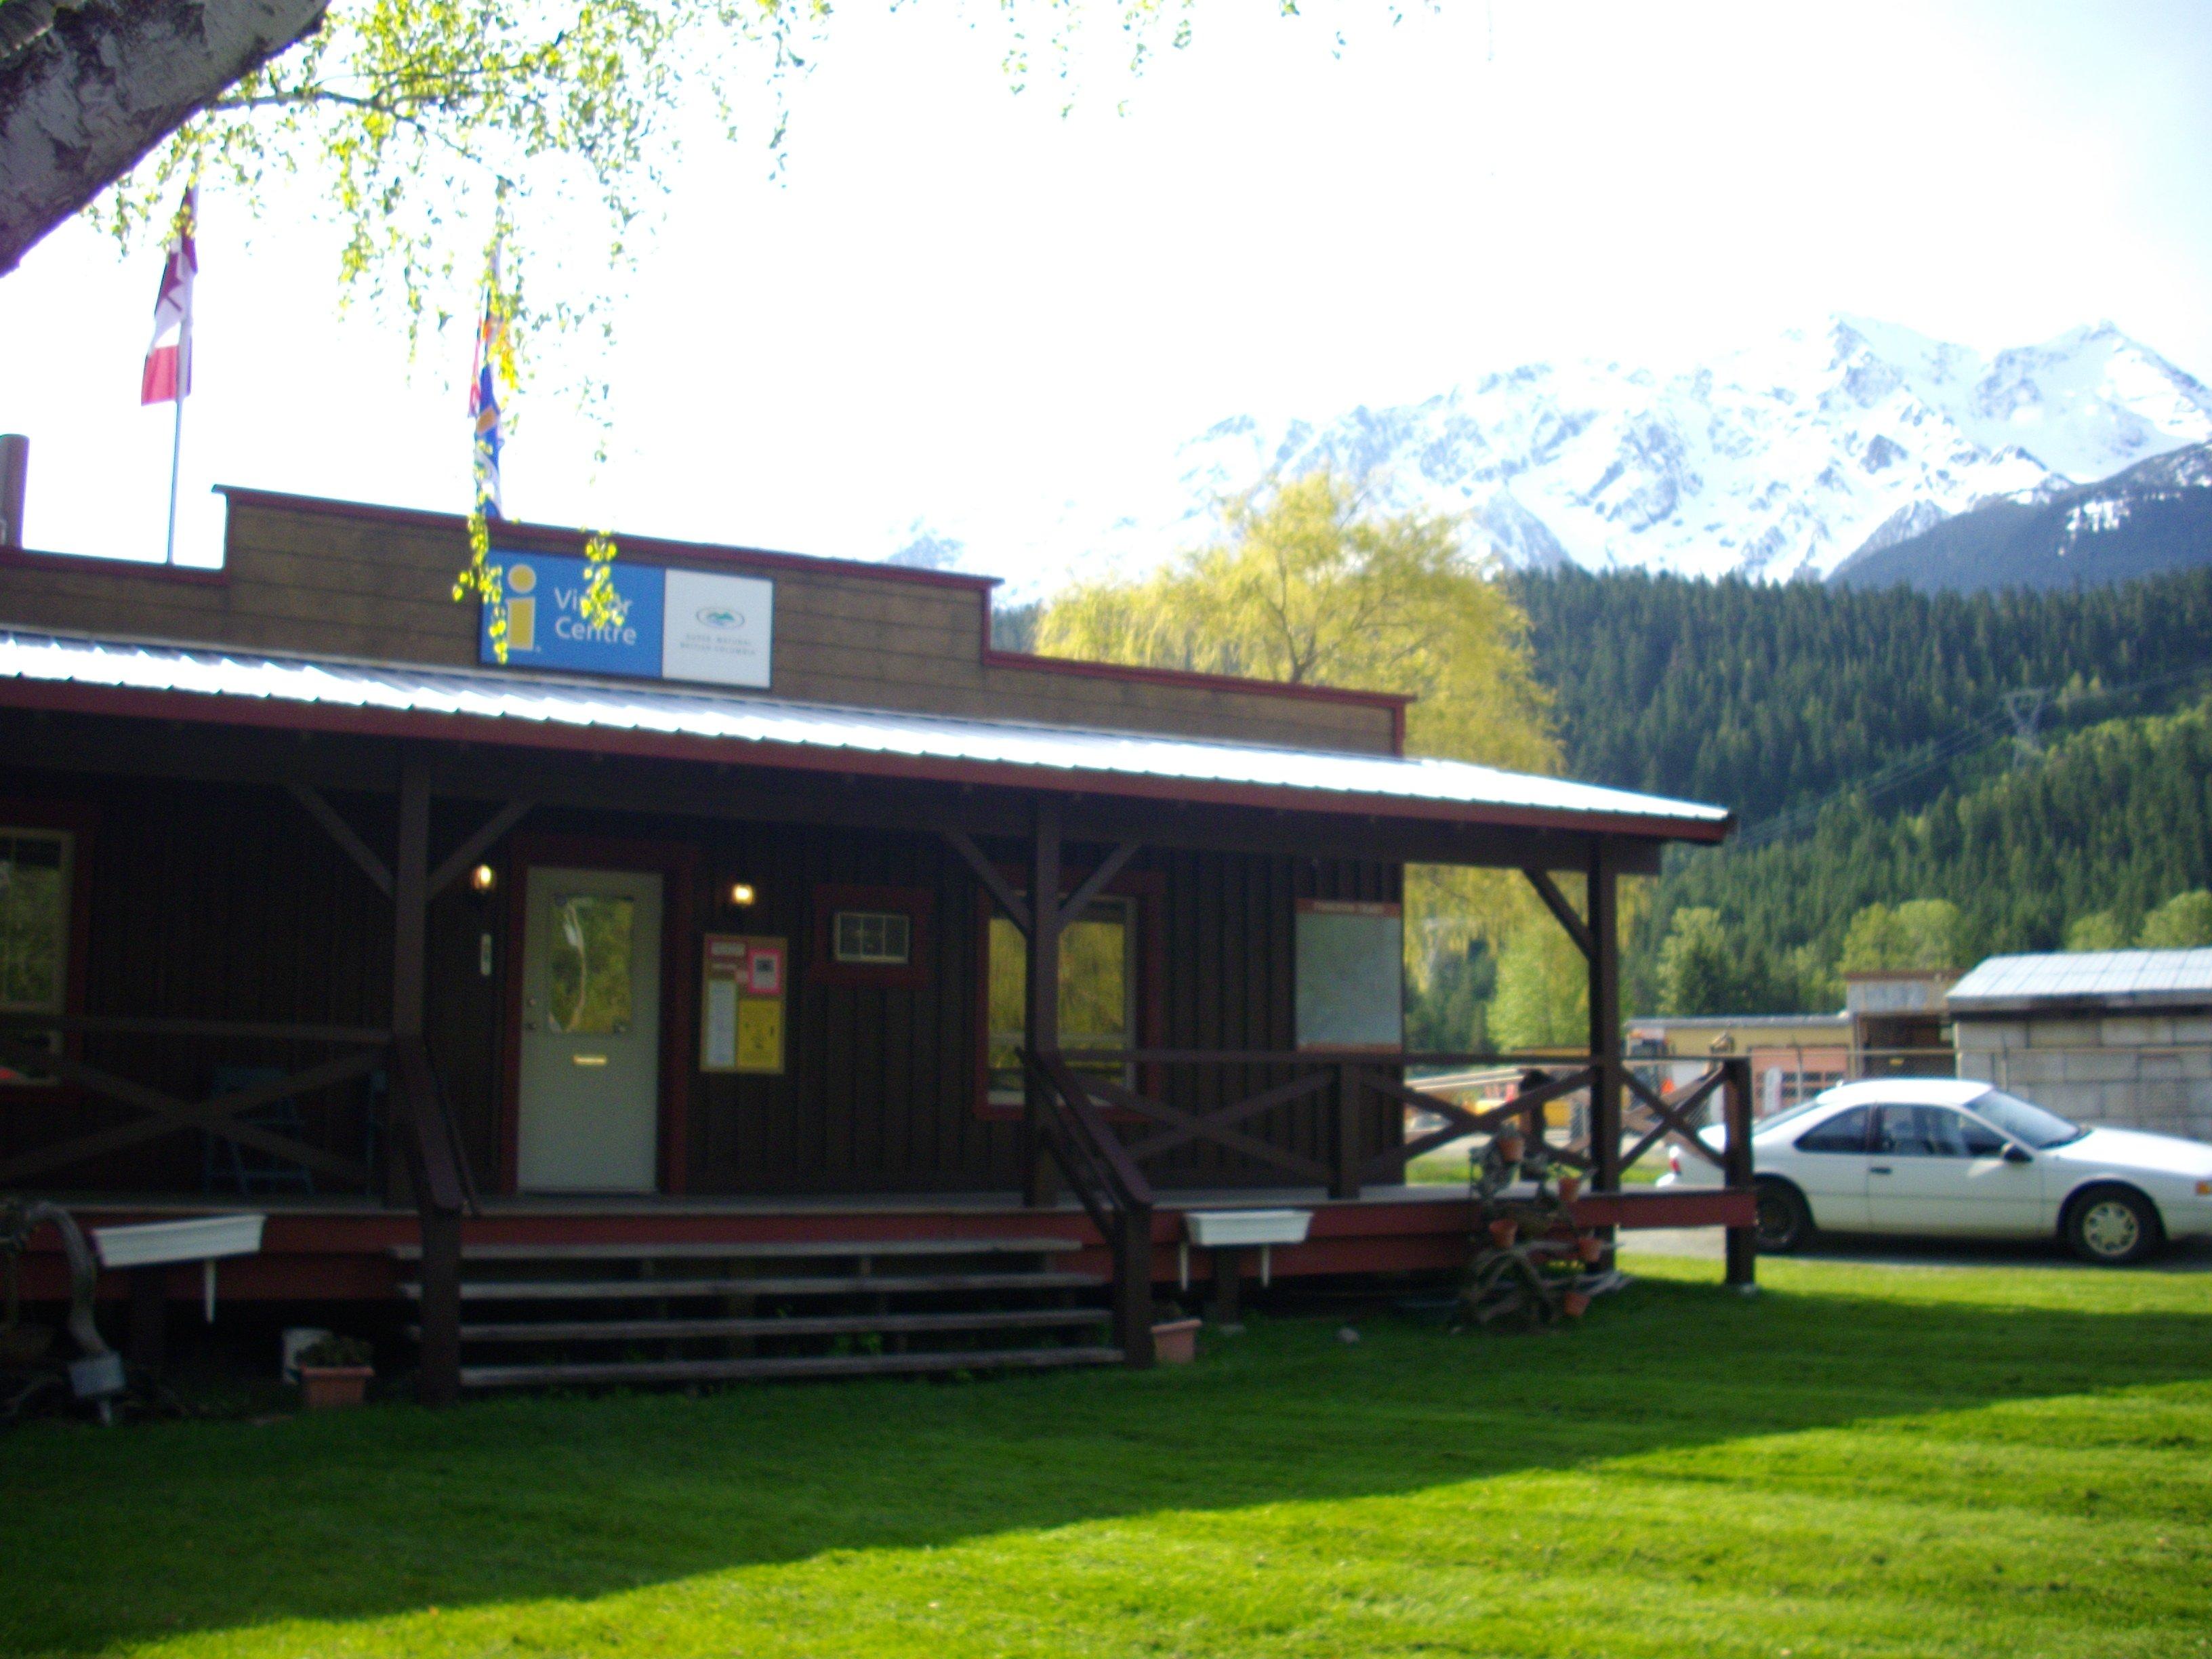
column 1098, row 992
column 588, row 973
column 33, row 919
column 1846, row 1132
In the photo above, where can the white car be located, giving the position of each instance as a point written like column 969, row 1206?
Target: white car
column 1935, row 1156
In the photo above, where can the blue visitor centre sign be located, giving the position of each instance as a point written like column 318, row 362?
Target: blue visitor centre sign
column 675, row 625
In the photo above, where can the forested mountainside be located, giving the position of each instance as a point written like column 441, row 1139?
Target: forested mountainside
column 2116, row 819
column 2156, row 516
column 1772, row 698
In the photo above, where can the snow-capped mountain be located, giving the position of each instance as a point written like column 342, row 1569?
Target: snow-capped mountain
column 1777, row 461
column 2154, row 516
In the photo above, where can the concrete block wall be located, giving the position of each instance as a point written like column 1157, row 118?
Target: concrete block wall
column 2138, row 1072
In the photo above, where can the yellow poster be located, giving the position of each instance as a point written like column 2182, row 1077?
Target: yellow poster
column 759, row 1035
column 741, row 1028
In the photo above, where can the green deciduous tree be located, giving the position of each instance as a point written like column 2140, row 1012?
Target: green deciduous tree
column 2098, row 930
column 2184, row 922
column 1920, row 934
column 1307, row 584
column 1543, row 991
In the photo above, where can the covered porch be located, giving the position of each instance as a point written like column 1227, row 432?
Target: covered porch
column 302, row 944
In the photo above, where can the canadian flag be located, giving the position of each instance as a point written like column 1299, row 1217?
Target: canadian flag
column 168, row 372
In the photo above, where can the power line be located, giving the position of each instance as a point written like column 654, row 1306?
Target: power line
column 2021, row 710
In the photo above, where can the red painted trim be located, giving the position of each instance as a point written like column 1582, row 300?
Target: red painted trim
column 676, row 864
column 1707, row 1207
column 1149, row 888
column 1135, row 674
column 206, row 709
column 917, row 904
column 81, row 823
column 333, row 1257
column 79, row 564
column 641, row 550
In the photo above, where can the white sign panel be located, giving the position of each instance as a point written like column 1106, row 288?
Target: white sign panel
column 717, row 628
column 1351, row 975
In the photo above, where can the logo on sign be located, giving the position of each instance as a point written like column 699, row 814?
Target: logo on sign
column 714, row 617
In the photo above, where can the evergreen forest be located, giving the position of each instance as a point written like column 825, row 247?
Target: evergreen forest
column 2029, row 770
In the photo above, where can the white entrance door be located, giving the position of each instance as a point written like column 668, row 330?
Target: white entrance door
column 591, row 1032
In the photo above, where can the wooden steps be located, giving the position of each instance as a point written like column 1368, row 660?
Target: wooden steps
column 625, row 1330
column 735, row 1370
column 647, row 1289
column 776, row 1250
column 565, row 1315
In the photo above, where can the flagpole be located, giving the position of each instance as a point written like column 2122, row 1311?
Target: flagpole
column 177, row 440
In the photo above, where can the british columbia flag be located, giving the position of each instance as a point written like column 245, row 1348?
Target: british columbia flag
column 483, row 401
column 168, row 375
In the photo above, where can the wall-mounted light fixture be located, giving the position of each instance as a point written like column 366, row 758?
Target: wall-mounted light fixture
column 483, row 879
column 739, row 894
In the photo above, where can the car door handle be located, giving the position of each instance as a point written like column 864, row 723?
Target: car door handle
column 1879, row 1168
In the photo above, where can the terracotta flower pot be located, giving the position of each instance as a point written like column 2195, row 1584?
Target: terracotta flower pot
column 1176, row 1343
column 1510, row 1147
column 321, row 1386
column 1570, row 1186
column 1504, row 1231
column 1574, row 1305
column 1590, row 1248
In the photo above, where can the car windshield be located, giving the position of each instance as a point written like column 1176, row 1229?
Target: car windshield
column 1789, row 1115
column 2024, row 1123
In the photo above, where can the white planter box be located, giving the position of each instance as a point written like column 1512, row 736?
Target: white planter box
column 203, row 1238
column 1207, row 1228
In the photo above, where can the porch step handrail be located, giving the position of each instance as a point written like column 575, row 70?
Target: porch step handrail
column 1107, row 1183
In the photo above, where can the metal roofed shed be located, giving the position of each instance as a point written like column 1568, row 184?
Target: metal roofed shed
column 2122, row 1037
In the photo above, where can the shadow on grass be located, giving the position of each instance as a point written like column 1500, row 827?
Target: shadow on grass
column 147, row 1532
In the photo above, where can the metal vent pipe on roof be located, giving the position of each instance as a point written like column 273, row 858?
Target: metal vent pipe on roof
column 15, row 472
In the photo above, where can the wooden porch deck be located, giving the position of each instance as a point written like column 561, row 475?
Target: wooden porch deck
column 318, row 1249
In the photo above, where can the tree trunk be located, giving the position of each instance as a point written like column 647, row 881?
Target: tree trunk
column 83, row 97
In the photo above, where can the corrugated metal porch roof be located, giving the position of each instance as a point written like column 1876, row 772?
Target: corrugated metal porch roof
column 583, row 714
column 2114, row 979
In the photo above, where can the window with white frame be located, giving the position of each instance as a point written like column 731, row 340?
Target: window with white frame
column 874, row 939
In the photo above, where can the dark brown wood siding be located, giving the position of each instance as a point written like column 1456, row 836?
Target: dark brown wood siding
column 228, row 901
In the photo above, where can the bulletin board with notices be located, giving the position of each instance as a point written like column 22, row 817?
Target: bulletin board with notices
column 743, row 1004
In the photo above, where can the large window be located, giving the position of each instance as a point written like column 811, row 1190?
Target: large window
column 1098, row 992
column 35, row 872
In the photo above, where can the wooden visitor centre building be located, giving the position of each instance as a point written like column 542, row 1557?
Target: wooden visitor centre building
column 681, row 986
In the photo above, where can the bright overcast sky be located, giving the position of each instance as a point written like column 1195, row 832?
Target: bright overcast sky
column 960, row 309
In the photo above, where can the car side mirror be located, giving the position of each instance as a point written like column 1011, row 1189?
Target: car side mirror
column 2016, row 1153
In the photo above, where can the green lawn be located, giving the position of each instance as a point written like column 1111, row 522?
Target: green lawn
column 1861, row 1460
column 1449, row 1168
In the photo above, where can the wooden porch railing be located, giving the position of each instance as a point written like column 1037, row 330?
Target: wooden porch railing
column 1106, row 1180
column 417, row 1123
column 1344, row 1082
column 222, row 1115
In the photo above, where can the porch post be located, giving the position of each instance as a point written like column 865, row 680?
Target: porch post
column 440, row 1310
column 1346, row 1143
column 1735, row 1108
column 1041, row 1021
column 1602, row 911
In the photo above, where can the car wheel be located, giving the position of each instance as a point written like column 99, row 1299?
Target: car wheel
column 1784, row 1223
column 2111, row 1226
